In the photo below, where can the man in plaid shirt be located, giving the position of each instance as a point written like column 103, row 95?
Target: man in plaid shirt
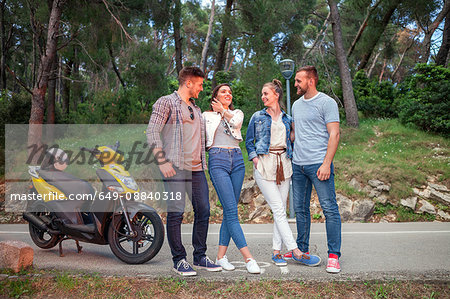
column 177, row 131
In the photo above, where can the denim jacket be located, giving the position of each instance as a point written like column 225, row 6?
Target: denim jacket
column 257, row 140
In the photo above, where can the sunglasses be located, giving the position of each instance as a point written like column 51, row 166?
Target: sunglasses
column 192, row 112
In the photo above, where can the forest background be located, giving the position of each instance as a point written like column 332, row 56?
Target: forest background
column 108, row 61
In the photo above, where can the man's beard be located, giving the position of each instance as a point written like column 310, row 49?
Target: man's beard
column 301, row 92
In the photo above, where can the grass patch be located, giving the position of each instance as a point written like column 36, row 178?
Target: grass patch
column 93, row 286
column 403, row 214
column 386, row 150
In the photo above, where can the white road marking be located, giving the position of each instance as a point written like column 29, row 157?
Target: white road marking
column 313, row 233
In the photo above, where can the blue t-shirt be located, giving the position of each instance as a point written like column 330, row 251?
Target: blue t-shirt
column 311, row 136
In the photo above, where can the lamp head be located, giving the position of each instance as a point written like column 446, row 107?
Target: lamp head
column 287, row 67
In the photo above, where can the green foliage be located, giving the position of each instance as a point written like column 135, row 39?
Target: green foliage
column 374, row 99
column 425, row 99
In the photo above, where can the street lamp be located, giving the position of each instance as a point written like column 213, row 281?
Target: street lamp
column 287, row 67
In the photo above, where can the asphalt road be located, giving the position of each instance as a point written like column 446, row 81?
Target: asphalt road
column 370, row 251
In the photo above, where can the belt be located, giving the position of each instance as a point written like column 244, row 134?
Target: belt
column 280, row 171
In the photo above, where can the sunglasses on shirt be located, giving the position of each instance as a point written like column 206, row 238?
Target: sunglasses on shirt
column 192, row 112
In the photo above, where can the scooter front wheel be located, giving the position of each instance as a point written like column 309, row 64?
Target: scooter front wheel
column 144, row 245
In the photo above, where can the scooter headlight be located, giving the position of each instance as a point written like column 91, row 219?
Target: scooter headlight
column 127, row 181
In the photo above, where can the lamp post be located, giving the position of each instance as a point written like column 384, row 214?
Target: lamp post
column 287, row 67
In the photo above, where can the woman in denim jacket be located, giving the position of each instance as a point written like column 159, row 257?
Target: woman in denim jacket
column 227, row 170
column 269, row 146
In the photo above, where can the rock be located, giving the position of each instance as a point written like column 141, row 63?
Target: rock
column 259, row 200
column 439, row 196
column 383, row 188
column 345, row 207
column 438, row 187
column 355, row 184
column 367, row 189
column 375, row 183
column 374, row 193
column 426, row 207
column 410, row 202
column 249, row 190
column 256, row 213
column 424, row 194
column 443, row 215
column 15, row 255
column 383, row 199
column 363, row 209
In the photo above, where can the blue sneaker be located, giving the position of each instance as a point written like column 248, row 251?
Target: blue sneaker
column 308, row 259
column 184, row 268
column 278, row 260
column 208, row 264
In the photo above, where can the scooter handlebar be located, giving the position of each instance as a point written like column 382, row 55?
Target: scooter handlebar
column 93, row 151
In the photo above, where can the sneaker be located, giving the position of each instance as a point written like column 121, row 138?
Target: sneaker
column 252, row 266
column 225, row 264
column 288, row 255
column 279, row 260
column 308, row 259
column 333, row 266
column 208, row 264
column 184, row 268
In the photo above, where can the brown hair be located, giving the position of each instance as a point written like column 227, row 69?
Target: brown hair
column 276, row 86
column 310, row 71
column 216, row 91
column 188, row 72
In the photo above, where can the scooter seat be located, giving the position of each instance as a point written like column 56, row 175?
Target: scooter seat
column 68, row 184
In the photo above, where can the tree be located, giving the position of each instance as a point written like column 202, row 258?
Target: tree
column 40, row 87
column 442, row 56
column 351, row 111
column 429, row 31
column 377, row 31
column 208, row 37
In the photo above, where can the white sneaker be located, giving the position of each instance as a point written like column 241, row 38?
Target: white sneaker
column 226, row 265
column 252, row 266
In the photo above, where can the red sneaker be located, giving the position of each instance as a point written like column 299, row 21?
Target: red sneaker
column 288, row 255
column 333, row 266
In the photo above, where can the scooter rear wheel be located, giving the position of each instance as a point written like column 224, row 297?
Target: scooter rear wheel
column 41, row 238
column 142, row 247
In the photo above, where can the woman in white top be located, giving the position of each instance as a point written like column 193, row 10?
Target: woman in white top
column 226, row 169
column 269, row 146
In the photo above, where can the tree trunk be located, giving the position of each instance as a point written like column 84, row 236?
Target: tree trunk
column 351, row 111
column 40, row 87
column 67, row 69
column 380, row 78
column 374, row 62
column 322, row 32
column 220, row 56
column 177, row 35
column 362, row 27
column 430, row 31
column 115, row 68
column 394, row 73
column 52, row 92
column 374, row 40
column 441, row 58
column 208, row 37
column 3, row 46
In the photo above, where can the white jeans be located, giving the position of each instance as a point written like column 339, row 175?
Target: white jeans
column 276, row 196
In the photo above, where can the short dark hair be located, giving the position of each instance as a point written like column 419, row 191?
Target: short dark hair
column 310, row 71
column 189, row 72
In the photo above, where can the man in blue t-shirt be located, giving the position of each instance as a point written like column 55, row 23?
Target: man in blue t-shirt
column 316, row 119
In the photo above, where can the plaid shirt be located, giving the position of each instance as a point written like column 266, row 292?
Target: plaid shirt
column 165, row 129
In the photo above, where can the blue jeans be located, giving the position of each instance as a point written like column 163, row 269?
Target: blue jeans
column 227, row 170
column 302, row 180
column 195, row 184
